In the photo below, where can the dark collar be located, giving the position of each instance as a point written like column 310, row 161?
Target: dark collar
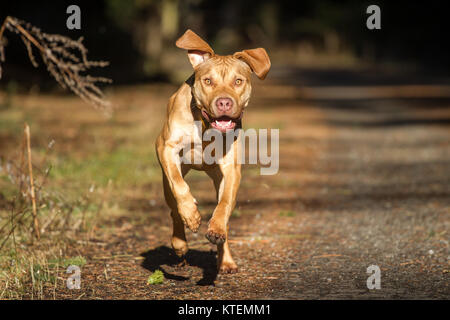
column 194, row 107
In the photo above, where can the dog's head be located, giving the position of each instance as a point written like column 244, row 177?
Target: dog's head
column 222, row 84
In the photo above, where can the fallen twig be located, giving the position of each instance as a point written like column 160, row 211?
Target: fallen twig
column 327, row 256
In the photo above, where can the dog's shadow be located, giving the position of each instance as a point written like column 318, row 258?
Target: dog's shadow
column 156, row 258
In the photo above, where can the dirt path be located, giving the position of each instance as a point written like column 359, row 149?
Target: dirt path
column 363, row 181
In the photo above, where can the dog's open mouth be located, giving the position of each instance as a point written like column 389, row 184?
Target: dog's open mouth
column 223, row 123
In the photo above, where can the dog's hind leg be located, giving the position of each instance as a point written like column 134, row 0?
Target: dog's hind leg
column 179, row 243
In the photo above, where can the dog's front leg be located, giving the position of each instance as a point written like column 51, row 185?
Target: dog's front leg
column 226, row 178
column 179, row 188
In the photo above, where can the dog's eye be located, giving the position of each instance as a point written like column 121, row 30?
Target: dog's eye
column 238, row 82
column 207, row 81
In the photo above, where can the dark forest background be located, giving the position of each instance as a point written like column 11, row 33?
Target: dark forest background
column 137, row 36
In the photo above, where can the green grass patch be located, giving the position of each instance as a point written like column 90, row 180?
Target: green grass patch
column 123, row 166
column 287, row 213
column 64, row 263
column 42, row 274
column 236, row 213
column 156, row 277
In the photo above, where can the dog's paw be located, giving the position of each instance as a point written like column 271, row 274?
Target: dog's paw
column 216, row 233
column 179, row 246
column 191, row 218
column 228, row 268
column 215, row 237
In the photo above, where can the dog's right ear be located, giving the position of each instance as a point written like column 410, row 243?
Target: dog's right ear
column 198, row 50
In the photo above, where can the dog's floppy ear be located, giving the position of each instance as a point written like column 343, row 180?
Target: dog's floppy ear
column 257, row 59
column 198, row 50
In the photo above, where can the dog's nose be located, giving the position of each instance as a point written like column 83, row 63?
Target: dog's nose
column 224, row 104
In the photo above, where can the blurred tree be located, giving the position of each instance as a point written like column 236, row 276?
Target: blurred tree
column 134, row 34
column 169, row 18
column 151, row 23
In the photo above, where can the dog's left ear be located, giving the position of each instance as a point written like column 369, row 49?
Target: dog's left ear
column 198, row 50
column 257, row 59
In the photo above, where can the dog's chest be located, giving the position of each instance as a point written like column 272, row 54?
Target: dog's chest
column 200, row 153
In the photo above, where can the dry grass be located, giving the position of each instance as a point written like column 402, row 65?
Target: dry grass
column 84, row 167
column 25, row 257
column 28, row 207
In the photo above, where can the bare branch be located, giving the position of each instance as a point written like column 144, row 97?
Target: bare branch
column 66, row 60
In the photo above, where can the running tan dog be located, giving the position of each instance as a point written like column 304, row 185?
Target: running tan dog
column 216, row 94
